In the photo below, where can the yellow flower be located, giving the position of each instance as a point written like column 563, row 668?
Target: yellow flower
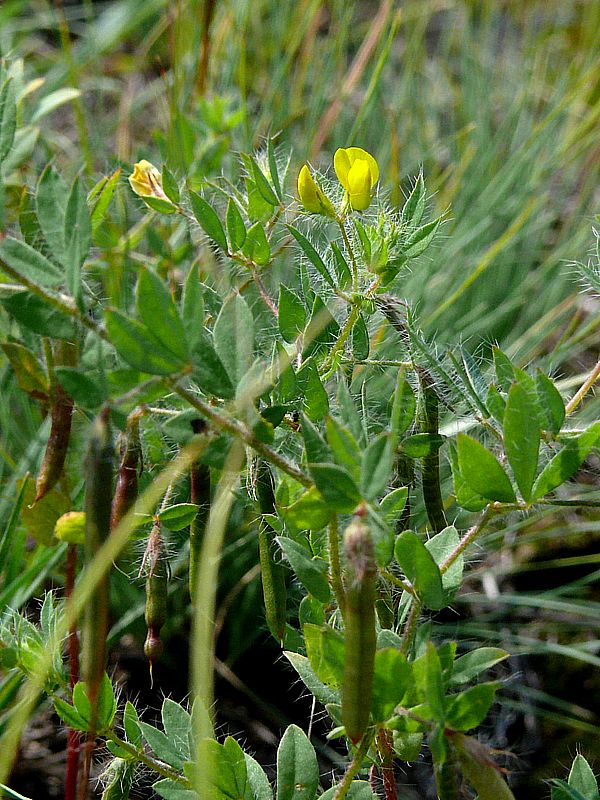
column 311, row 196
column 358, row 173
column 146, row 181
column 71, row 527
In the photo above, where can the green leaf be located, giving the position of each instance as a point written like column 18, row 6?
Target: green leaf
column 81, row 702
column 208, row 219
column 309, row 512
column 159, row 314
column 234, row 337
column 495, row 403
column 582, row 778
column 179, row 516
column 328, row 669
column 77, row 237
column 441, row 546
column 8, row 117
column 392, row 505
column 420, row 445
column 263, row 185
column 257, row 246
column 171, row 790
column 160, row 204
column 170, row 185
column 433, row 683
column 311, row 572
column 177, row 724
column 103, row 199
column 273, row 168
column 465, row 496
column 257, row 780
column 316, row 400
column 209, row 372
column 468, row 709
column 566, row 462
column 522, row 437
column 360, row 339
column 137, row 347
column 51, row 205
column 34, row 314
column 472, row 664
column 562, row 791
column 29, row 263
column 391, row 678
column 419, row 240
column 162, row 746
column 315, row 686
column 505, row 373
column 336, row 485
column 421, row 570
column 297, row 767
column 130, row 723
column 106, row 704
column 28, row 370
column 85, row 390
column 69, row 715
column 54, row 100
column 314, row 444
column 359, row 790
column 192, row 305
column 412, row 212
column 550, row 403
column 344, row 448
column 342, row 270
column 312, row 255
column 236, row 228
column 292, row 314
column 377, row 464
column 482, row 471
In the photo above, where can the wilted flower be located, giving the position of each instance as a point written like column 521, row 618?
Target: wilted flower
column 146, row 181
column 358, row 173
column 71, row 527
column 311, row 196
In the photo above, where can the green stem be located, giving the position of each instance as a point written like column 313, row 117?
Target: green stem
column 329, row 362
column 578, row 397
column 470, row 536
column 406, row 587
column 344, row 787
column 225, row 423
column 410, row 626
column 156, row 766
column 335, row 568
column 348, row 246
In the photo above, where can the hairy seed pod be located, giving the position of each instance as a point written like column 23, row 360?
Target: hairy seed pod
column 98, row 491
column 58, row 443
column 156, row 595
column 360, row 633
column 200, row 496
column 432, row 493
column 273, row 572
column 126, row 489
column 61, row 413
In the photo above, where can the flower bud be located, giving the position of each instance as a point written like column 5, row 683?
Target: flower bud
column 146, row 181
column 311, row 196
column 71, row 527
column 358, row 173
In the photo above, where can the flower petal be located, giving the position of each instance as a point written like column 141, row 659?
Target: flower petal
column 342, row 164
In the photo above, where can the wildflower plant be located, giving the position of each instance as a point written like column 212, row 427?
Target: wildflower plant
column 249, row 323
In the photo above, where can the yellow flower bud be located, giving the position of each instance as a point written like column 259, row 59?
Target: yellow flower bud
column 358, row 173
column 311, row 196
column 146, row 181
column 71, row 527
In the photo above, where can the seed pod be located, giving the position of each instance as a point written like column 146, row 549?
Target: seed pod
column 126, row 490
column 200, row 496
column 432, row 493
column 60, row 429
column 273, row 572
column 98, row 493
column 156, row 595
column 360, row 633
column 118, row 779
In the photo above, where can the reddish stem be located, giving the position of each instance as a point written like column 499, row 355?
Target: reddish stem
column 72, row 735
column 384, row 746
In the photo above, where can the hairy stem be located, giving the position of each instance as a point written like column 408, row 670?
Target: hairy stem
column 355, row 765
column 335, row 568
